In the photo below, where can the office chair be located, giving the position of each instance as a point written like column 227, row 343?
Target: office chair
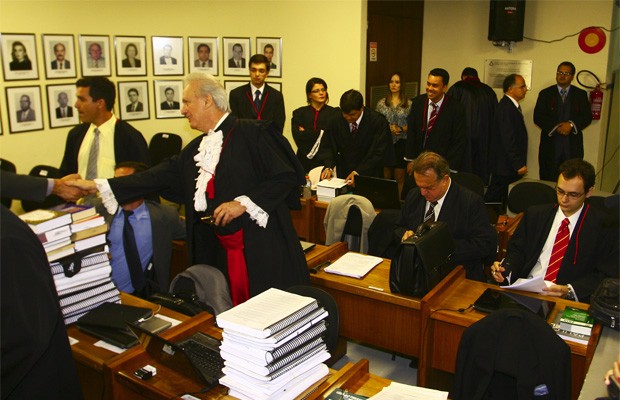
column 510, row 354
column 6, row 165
column 326, row 301
column 164, row 145
column 339, row 228
column 471, row 181
column 44, row 171
column 527, row 194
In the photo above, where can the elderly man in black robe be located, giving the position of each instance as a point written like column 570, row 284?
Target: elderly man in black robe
column 237, row 180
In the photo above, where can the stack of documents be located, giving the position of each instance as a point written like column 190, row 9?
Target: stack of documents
column 273, row 346
column 327, row 189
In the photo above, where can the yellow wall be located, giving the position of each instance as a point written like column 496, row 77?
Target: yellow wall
column 455, row 36
column 322, row 38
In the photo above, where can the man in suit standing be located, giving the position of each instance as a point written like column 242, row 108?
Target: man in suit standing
column 237, row 60
column 562, row 112
column 154, row 227
column 64, row 110
column 94, row 147
column 135, row 105
column 60, row 62
column 568, row 243
column 167, row 58
column 437, row 122
column 509, row 144
column 25, row 113
column 360, row 137
column 204, row 56
column 258, row 100
column 438, row 198
column 170, row 103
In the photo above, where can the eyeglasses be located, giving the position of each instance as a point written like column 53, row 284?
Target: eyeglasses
column 572, row 195
column 321, row 90
column 563, row 73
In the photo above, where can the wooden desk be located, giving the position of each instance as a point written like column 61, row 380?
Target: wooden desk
column 443, row 330
column 376, row 317
column 90, row 360
column 308, row 221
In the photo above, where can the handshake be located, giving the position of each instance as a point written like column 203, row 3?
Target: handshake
column 73, row 187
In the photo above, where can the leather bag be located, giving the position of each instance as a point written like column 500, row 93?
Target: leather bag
column 604, row 303
column 422, row 260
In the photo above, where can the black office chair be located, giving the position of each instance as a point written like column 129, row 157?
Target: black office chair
column 44, row 171
column 471, row 181
column 6, row 165
column 164, row 145
column 326, row 301
column 510, row 354
column 527, row 194
column 352, row 232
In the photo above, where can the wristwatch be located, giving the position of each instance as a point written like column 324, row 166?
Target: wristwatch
column 571, row 293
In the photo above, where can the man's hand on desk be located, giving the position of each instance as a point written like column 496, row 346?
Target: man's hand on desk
column 228, row 211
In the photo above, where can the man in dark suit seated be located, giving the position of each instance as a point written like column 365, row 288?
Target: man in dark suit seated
column 64, row 110
column 258, row 100
column 569, row 243
column 438, row 123
column 154, row 227
column 438, row 198
column 360, row 137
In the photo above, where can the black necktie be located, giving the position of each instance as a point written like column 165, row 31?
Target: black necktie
column 430, row 214
column 132, row 255
column 354, row 128
column 257, row 99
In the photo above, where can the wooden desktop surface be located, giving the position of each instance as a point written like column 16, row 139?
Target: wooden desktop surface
column 444, row 326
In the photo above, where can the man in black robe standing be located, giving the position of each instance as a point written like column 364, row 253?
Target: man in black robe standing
column 479, row 100
column 237, row 181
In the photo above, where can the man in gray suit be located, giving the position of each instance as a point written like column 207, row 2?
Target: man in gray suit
column 153, row 226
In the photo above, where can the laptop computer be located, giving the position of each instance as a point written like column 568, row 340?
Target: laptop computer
column 382, row 193
column 197, row 356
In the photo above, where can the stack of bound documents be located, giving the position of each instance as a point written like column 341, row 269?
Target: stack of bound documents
column 273, row 346
column 74, row 238
column 327, row 189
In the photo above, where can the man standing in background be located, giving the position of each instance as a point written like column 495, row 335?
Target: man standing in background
column 562, row 112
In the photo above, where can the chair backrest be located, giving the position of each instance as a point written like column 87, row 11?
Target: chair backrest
column 527, row 194
column 337, row 218
column 6, row 165
column 352, row 232
column 326, row 301
column 471, row 181
column 208, row 283
column 164, row 145
column 44, row 171
column 507, row 347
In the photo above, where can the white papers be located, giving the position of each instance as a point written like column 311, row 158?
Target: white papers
column 333, row 183
column 399, row 391
column 535, row 285
column 354, row 264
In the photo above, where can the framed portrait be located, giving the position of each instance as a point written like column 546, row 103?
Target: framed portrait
column 130, row 55
column 167, row 55
column 272, row 49
column 168, row 96
column 133, row 100
column 203, row 54
column 231, row 85
column 19, row 56
column 60, row 101
column 24, row 106
column 59, row 56
column 95, row 55
column 237, row 52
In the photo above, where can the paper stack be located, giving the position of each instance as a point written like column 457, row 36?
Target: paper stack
column 273, row 346
column 74, row 238
column 327, row 189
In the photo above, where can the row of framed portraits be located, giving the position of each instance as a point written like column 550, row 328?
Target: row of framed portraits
column 25, row 112
column 168, row 55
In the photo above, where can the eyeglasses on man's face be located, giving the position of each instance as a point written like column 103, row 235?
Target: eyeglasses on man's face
column 564, row 73
column 571, row 195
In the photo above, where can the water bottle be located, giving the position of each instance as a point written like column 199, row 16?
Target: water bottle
column 306, row 192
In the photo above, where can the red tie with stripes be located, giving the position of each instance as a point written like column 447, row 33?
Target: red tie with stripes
column 558, row 251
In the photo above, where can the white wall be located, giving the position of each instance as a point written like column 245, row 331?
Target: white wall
column 455, row 36
column 322, row 38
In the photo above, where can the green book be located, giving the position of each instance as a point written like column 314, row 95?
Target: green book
column 576, row 320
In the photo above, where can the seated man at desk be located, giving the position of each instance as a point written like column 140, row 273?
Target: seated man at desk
column 568, row 243
column 437, row 198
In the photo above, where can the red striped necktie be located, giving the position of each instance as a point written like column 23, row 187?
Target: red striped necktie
column 558, row 251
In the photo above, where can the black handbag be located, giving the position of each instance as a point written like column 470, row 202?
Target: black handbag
column 604, row 303
column 422, row 260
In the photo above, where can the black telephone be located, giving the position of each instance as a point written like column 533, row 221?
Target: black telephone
column 185, row 303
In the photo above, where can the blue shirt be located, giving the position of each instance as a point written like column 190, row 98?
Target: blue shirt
column 141, row 223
